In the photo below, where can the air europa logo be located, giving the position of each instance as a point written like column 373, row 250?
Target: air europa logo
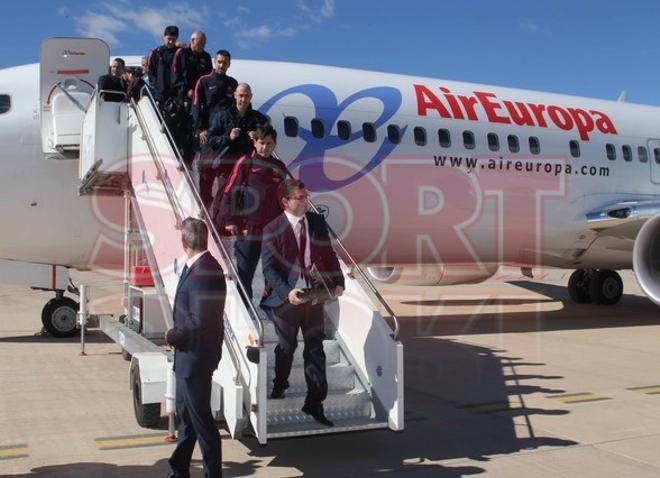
column 508, row 112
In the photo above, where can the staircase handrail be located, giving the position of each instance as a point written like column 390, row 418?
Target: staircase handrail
column 207, row 217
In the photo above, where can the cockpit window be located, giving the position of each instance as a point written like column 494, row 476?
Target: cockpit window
column 5, row 103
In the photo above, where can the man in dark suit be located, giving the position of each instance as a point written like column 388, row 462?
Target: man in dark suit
column 294, row 242
column 197, row 340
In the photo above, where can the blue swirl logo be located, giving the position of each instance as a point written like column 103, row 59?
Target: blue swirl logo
column 326, row 108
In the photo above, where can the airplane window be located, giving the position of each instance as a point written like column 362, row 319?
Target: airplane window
column 444, row 137
column 514, row 145
column 369, row 132
column 5, row 103
column 656, row 153
column 394, row 134
column 627, row 153
column 343, row 129
column 534, row 145
column 643, row 154
column 291, row 126
column 611, row 151
column 420, row 136
column 493, row 142
column 318, row 131
column 575, row 148
column 468, row 139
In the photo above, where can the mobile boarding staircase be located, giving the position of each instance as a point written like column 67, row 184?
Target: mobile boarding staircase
column 125, row 149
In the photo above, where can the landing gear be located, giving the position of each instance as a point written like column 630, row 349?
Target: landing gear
column 578, row 287
column 601, row 286
column 605, row 287
column 59, row 316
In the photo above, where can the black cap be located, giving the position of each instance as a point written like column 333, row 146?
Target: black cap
column 171, row 31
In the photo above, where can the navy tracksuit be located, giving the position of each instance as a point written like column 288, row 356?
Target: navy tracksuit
column 213, row 93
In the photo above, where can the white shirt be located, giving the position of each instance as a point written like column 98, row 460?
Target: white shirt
column 295, row 224
column 194, row 259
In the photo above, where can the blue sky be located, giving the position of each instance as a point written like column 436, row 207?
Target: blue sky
column 582, row 47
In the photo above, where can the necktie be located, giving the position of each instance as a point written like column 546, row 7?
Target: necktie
column 183, row 274
column 301, row 246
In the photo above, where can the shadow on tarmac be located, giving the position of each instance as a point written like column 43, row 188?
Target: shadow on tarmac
column 160, row 469
column 459, row 406
column 94, row 336
column 631, row 311
column 463, row 402
column 484, row 301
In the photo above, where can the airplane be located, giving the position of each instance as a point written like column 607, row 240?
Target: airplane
column 427, row 181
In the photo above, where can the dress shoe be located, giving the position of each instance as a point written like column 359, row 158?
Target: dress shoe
column 278, row 392
column 316, row 412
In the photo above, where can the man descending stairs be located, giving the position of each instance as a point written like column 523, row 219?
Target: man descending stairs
column 295, row 243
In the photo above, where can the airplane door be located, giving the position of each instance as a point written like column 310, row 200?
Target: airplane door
column 654, row 159
column 69, row 69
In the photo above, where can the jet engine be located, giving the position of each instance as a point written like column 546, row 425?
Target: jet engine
column 432, row 274
column 646, row 258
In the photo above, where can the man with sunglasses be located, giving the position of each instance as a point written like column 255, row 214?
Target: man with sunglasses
column 296, row 243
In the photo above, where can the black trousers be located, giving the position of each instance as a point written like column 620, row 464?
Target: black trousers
column 288, row 320
column 248, row 252
column 193, row 408
column 206, row 175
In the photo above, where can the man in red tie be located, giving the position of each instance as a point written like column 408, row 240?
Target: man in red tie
column 296, row 242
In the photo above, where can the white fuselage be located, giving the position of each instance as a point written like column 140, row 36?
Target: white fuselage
column 393, row 202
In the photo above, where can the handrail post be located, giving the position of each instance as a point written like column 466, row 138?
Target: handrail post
column 82, row 317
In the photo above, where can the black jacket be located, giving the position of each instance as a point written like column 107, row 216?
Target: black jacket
column 279, row 257
column 213, row 92
column 188, row 67
column 198, row 329
column 112, row 83
column 161, row 75
column 224, row 121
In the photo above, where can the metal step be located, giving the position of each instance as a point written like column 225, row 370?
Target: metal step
column 290, row 430
column 341, row 378
column 330, row 347
column 338, row 406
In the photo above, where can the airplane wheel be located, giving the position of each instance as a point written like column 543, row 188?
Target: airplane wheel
column 147, row 415
column 605, row 287
column 578, row 287
column 59, row 317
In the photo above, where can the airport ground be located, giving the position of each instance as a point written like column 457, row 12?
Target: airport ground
column 506, row 379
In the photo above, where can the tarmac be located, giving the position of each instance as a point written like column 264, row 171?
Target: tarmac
column 507, row 378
